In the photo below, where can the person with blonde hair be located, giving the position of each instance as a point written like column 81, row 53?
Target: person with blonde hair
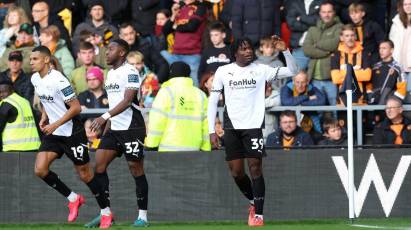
column 50, row 37
column 11, row 25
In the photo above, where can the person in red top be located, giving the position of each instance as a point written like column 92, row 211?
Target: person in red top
column 189, row 22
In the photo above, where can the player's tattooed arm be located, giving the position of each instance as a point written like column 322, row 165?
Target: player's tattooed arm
column 74, row 110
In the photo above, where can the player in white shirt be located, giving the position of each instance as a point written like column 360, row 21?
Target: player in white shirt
column 63, row 131
column 243, row 85
column 125, row 129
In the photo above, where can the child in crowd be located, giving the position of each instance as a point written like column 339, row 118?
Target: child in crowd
column 333, row 133
column 149, row 81
column 216, row 54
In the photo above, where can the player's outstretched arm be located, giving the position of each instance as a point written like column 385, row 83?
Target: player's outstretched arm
column 74, row 110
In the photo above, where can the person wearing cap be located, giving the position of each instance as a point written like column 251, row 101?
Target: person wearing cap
column 24, row 43
column 21, row 81
column 17, row 126
column 178, row 117
column 86, row 56
column 95, row 96
column 96, row 22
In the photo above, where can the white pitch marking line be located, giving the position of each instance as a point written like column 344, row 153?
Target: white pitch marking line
column 380, row 227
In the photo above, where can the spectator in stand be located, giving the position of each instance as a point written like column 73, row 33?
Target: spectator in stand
column 301, row 15
column 395, row 129
column 299, row 91
column 400, row 35
column 118, row 11
column 321, row 41
column 14, row 18
column 5, row 5
column 387, row 77
column 163, row 40
column 144, row 15
column 152, row 57
column 42, row 19
column 333, row 133
column 272, row 99
column 217, row 54
column 95, row 96
column 255, row 19
column 368, row 32
column 189, row 23
column 24, row 43
column 50, row 37
column 17, row 126
column 86, row 55
column 351, row 52
column 21, row 81
column 149, row 84
column 268, row 55
column 96, row 22
column 99, row 48
column 206, row 82
column 289, row 134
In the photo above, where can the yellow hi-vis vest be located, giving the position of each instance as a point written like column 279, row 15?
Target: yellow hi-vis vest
column 178, row 118
column 20, row 135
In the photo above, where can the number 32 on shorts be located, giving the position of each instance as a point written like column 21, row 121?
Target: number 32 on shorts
column 257, row 143
column 132, row 148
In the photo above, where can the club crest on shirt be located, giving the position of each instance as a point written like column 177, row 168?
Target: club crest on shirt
column 67, row 91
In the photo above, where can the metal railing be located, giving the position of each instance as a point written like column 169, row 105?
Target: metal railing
column 358, row 109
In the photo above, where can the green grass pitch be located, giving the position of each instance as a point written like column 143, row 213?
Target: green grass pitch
column 335, row 224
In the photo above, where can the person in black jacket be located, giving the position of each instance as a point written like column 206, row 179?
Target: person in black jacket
column 21, row 81
column 368, row 32
column 152, row 57
column 118, row 11
column 395, row 129
column 255, row 19
column 144, row 15
column 300, row 17
column 333, row 133
column 289, row 134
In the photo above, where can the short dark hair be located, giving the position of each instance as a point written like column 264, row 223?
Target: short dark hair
column 288, row 113
column 389, row 42
column 330, row 123
column 43, row 50
column 86, row 46
column 84, row 34
column 125, row 25
column 123, row 44
column 327, row 2
column 239, row 43
column 166, row 12
column 217, row 26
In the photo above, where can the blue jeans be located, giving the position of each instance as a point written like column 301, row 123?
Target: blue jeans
column 301, row 59
column 192, row 60
column 329, row 89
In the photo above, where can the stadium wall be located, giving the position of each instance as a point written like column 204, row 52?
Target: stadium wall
column 196, row 186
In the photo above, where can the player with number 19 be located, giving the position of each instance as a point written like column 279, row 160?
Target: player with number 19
column 125, row 129
column 63, row 131
column 243, row 85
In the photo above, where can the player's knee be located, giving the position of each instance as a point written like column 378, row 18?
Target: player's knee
column 100, row 169
column 85, row 174
column 39, row 172
column 135, row 169
column 236, row 173
column 255, row 170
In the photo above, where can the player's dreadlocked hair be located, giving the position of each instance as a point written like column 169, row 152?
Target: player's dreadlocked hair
column 239, row 43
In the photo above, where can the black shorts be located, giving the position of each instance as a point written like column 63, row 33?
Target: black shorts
column 130, row 142
column 74, row 146
column 243, row 143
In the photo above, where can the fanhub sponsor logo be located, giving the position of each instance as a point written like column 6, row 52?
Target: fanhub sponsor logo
column 112, row 87
column 243, row 82
column 46, row 98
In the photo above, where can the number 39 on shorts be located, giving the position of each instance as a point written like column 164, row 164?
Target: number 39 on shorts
column 257, row 143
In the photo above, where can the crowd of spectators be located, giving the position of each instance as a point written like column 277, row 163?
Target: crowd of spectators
column 325, row 36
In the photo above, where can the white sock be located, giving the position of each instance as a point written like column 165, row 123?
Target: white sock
column 252, row 202
column 259, row 216
column 105, row 211
column 72, row 197
column 142, row 214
